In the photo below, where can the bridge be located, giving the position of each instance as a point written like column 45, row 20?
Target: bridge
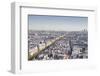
column 41, row 47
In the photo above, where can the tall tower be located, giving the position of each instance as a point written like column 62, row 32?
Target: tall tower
column 71, row 49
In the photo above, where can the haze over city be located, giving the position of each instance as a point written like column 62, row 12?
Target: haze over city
column 57, row 23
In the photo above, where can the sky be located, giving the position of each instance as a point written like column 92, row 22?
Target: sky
column 57, row 23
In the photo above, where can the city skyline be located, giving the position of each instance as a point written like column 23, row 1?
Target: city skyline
column 57, row 23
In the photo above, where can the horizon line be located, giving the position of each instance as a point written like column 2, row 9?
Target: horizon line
column 58, row 30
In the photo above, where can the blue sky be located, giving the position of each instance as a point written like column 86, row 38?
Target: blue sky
column 57, row 23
